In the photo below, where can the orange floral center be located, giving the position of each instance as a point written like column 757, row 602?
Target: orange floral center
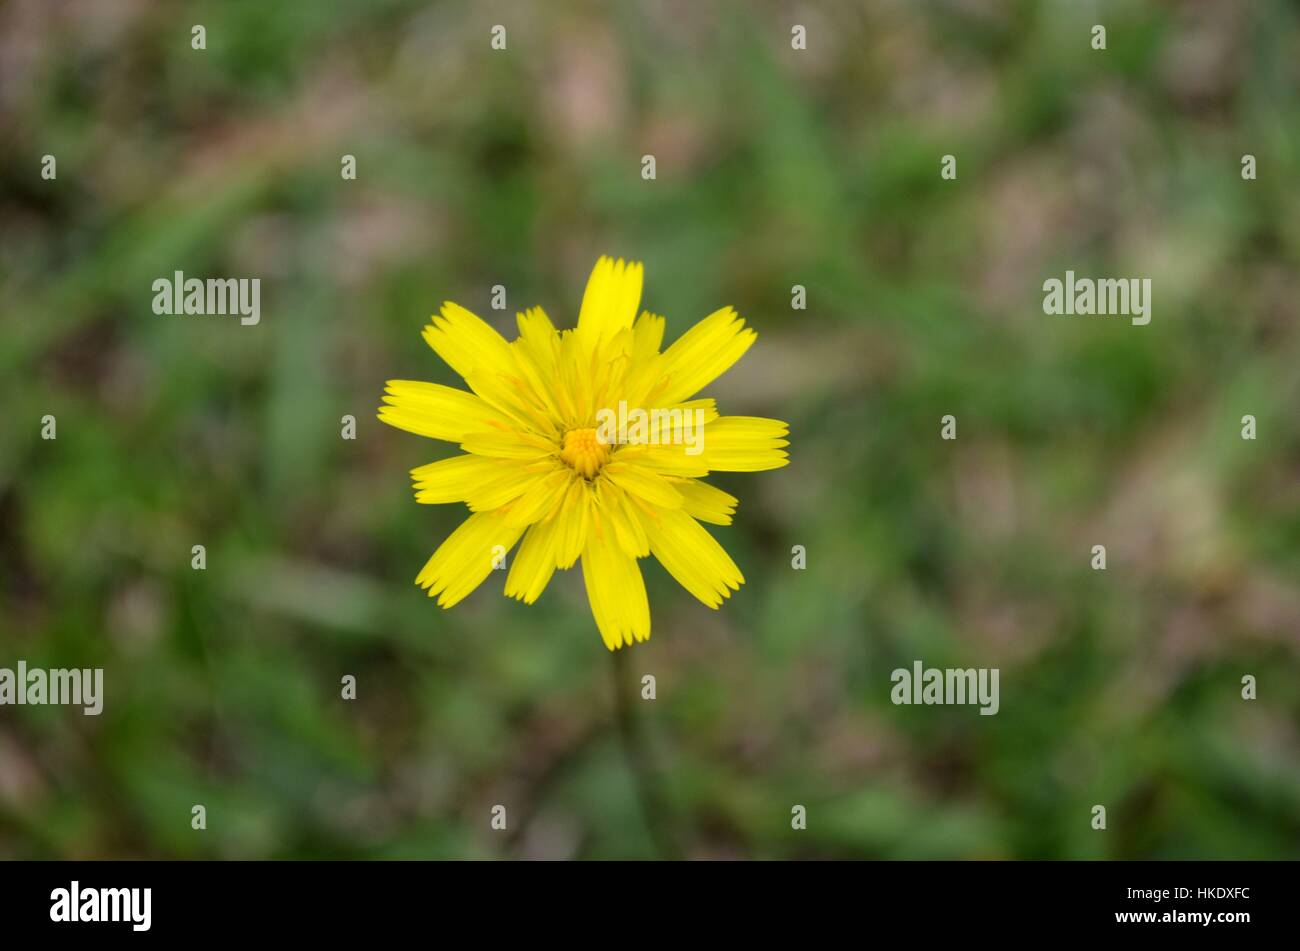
column 584, row 452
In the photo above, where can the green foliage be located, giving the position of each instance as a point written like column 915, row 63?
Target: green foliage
column 775, row 167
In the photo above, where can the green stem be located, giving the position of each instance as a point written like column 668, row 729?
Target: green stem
column 640, row 759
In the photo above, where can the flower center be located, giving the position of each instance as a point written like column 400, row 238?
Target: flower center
column 584, row 452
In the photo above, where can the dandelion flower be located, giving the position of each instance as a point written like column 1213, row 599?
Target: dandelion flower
column 585, row 444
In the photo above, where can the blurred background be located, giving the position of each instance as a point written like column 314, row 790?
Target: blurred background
column 775, row 167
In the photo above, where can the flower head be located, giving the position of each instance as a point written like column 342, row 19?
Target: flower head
column 586, row 444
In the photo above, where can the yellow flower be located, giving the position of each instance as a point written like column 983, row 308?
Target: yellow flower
column 586, row 444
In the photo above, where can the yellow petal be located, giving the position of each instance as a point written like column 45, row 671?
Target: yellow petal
column 575, row 521
column 640, row 481
column 467, row 556
column 509, row 483
column 745, row 444
column 647, row 336
column 544, row 495
column 506, row 444
column 613, row 507
column 536, row 353
column 454, row 479
column 466, row 341
column 692, row 556
column 666, row 460
column 611, row 300
column 672, row 440
column 472, row 348
column 534, row 562
column 434, row 410
column 680, row 423
column 704, row 353
column 706, row 502
column 574, row 370
column 616, row 591
column 537, row 331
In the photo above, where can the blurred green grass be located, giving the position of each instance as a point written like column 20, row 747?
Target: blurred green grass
column 775, row 167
